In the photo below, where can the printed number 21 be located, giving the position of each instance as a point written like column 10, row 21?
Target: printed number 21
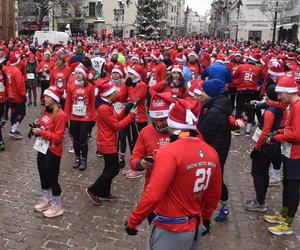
column 203, row 176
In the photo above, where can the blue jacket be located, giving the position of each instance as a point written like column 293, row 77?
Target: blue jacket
column 187, row 74
column 217, row 71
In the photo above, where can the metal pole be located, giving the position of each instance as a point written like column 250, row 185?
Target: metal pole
column 52, row 15
column 274, row 25
column 237, row 21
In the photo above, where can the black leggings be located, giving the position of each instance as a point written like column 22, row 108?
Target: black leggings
column 48, row 166
column 242, row 98
column 277, row 158
column 2, row 106
column 44, row 86
column 290, row 192
column 79, row 131
column 18, row 112
column 102, row 185
column 232, row 95
column 224, row 196
column 123, row 134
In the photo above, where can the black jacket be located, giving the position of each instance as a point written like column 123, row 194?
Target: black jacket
column 214, row 125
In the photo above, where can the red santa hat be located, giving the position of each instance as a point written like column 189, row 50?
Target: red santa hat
column 47, row 52
column 83, row 70
column 254, row 57
column 106, row 88
column 54, row 92
column 14, row 59
column 291, row 55
column 159, row 105
column 180, row 58
column 298, row 59
column 221, row 58
column 238, row 53
column 275, row 68
column 118, row 69
column 194, row 85
column 286, row 84
column 193, row 53
column 136, row 57
column 136, row 70
column 183, row 114
column 156, row 55
column 115, row 52
column 177, row 68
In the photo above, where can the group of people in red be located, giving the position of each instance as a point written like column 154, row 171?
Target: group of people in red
column 175, row 104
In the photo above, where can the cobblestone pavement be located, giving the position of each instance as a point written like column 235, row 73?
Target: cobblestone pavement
column 86, row 226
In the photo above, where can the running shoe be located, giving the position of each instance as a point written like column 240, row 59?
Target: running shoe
column 255, row 206
column 274, row 219
column 93, row 197
column 42, row 206
column 133, row 175
column 274, row 181
column 17, row 135
column 108, row 198
column 281, row 229
column 223, row 214
column 236, row 133
column 53, row 211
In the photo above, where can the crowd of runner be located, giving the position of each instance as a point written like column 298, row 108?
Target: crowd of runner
column 174, row 104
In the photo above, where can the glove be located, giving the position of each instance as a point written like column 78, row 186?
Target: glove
column 130, row 231
column 128, row 107
column 128, row 82
column 206, row 224
column 255, row 154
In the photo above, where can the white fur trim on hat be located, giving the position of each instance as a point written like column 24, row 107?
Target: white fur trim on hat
column 286, row 90
column 275, row 73
column 16, row 63
column 198, row 91
column 117, row 71
column 81, row 70
column 178, row 125
column 191, row 93
column 220, row 61
column 52, row 95
column 159, row 114
column 47, row 52
column 136, row 58
column 132, row 71
column 176, row 69
column 252, row 58
column 109, row 92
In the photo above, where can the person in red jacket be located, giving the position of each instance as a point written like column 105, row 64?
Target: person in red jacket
column 80, row 109
column 193, row 64
column 173, row 84
column 290, row 138
column 153, row 136
column 158, row 70
column 247, row 76
column 296, row 70
column 3, row 95
column 44, row 71
column 184, row 189
column 108, row 125
column 16, row 96
column 60, row 75
column 50, row 130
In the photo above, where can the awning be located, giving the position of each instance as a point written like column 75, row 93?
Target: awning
column 286, row 26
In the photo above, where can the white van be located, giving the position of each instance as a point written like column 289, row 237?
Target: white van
column 54, row 37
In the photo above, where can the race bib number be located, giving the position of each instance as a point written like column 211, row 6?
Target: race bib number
column 118, row 106
column 286, row 149
column 79, row 109
column 2, row 88
column 30, row 76
column 256, row 135
column 41, row 145
column 248, row 77
column 203, row 177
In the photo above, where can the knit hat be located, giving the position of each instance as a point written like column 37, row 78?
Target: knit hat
column 183, row 114
column 54, row 92
column 107, row 88
column 213, row 87
column 14, row 59
column 83, row 70
column 192, row 85
column 177, row 68
column 118, row 69
column 136, row 70
column 159, row 105
column 286, row 84
column 271, row 93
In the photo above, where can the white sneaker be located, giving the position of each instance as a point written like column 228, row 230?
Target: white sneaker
column 71, row 150
column 41, row 206
column 53, row 211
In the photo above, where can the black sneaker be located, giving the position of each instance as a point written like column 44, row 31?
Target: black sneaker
column 94, row 198
column 77, row 163
column 110, row 197
column 248, row 134
column 122, row 164
column 83, row 164
column 29, row 104
column 17, row 135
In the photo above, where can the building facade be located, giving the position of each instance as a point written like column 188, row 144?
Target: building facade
column 7, row 19
column 175, row 16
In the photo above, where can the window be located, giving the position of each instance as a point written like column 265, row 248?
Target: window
column 64, row 8
column 255, row 35
column 92, row 7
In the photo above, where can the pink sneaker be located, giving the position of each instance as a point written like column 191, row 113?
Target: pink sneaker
column 41, row 206
column 133, row 175
column 53, row 211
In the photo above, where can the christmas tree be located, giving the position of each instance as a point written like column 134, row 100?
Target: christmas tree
column 150, row 21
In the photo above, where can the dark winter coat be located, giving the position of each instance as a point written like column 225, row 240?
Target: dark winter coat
column 214, row 125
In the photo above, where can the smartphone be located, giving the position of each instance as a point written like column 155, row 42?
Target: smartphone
column 149, row 158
